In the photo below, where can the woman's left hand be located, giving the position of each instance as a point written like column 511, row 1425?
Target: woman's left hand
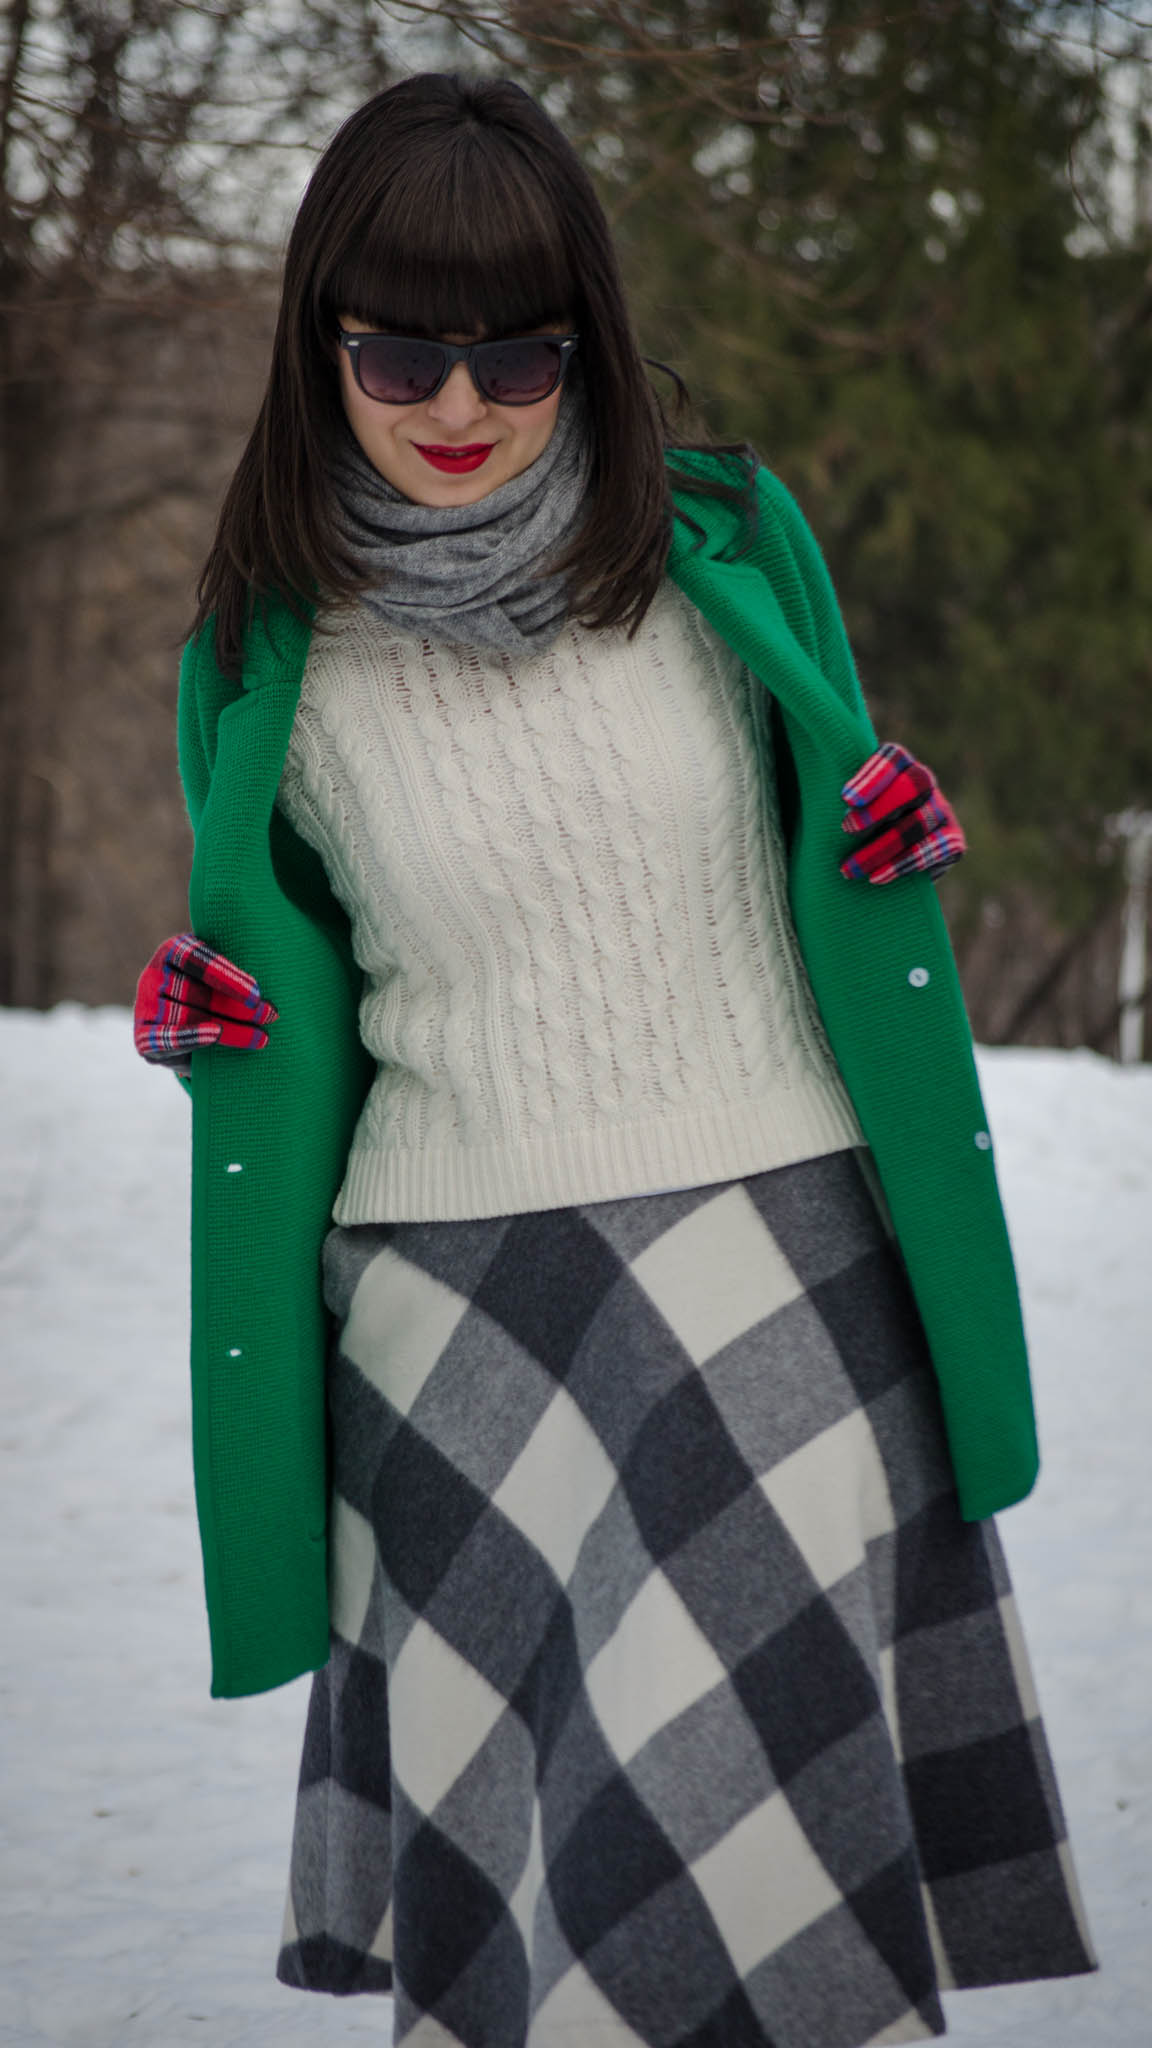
column 912, row 826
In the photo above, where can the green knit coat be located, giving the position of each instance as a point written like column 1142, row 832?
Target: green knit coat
column 271, row 1130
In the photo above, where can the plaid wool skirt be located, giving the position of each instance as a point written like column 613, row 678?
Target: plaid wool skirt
column 670, row 1700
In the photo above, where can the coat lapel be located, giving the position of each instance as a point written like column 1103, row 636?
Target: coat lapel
column 739, row 599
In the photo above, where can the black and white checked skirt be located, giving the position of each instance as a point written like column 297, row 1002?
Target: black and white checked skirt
column 669, row 1695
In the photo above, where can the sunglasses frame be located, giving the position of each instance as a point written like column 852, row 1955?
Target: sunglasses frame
column 459, row 352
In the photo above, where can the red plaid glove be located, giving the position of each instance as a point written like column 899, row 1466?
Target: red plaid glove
column 913, row 828
column 189, row 996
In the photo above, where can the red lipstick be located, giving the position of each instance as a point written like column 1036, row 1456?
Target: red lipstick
column 456, row 461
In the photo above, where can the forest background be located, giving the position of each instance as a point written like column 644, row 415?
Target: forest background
column 905, row 250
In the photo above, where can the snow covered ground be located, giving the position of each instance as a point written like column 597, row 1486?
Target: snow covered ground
column 146, row 1828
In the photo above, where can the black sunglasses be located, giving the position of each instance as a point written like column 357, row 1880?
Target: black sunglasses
column 400, row 369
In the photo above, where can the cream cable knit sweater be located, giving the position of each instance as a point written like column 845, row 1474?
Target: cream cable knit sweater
column 566, row 889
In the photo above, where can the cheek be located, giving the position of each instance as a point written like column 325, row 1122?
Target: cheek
column 538, row 422
column 362, row 413
column 370, row 422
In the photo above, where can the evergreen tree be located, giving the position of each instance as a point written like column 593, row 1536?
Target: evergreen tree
column 881, row 245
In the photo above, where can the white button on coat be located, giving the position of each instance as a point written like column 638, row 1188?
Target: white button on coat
column 919, row 977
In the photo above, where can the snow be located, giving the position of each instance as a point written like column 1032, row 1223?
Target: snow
column 147, row 1828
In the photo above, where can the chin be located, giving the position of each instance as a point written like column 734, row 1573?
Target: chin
column 442, row 496
column 443, row 491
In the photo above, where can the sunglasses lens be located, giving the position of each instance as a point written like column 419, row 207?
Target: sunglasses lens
column 517, row 372
column 399, row 372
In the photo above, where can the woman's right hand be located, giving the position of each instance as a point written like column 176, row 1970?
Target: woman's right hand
column 190, row 996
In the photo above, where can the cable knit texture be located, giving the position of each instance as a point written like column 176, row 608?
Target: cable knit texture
column 565, row 880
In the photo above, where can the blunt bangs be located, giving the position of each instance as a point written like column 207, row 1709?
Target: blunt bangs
column 463, row 239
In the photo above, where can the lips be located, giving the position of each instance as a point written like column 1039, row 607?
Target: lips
column 455, row 461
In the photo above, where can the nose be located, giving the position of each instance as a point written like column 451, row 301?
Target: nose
column 457, row 403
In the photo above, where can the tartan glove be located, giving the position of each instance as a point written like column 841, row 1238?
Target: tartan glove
column 913, row 828
column 188, row 996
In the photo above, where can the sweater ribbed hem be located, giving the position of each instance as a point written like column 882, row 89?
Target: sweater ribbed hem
column 714, row 1141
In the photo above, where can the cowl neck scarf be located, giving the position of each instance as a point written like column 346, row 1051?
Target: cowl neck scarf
column 473, row 574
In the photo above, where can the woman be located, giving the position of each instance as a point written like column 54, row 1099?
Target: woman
column 673, row 1684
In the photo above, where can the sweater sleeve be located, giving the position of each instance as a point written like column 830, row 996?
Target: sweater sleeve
column 191, row 753
column 830, row 648
column 192, row 759
column 205, row 691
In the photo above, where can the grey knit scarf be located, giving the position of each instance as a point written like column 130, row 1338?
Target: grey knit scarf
column 470, row 573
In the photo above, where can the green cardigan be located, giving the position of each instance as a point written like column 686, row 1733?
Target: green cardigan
column 271, row 1131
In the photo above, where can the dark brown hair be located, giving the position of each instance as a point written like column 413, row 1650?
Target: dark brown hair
column 445, row 205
